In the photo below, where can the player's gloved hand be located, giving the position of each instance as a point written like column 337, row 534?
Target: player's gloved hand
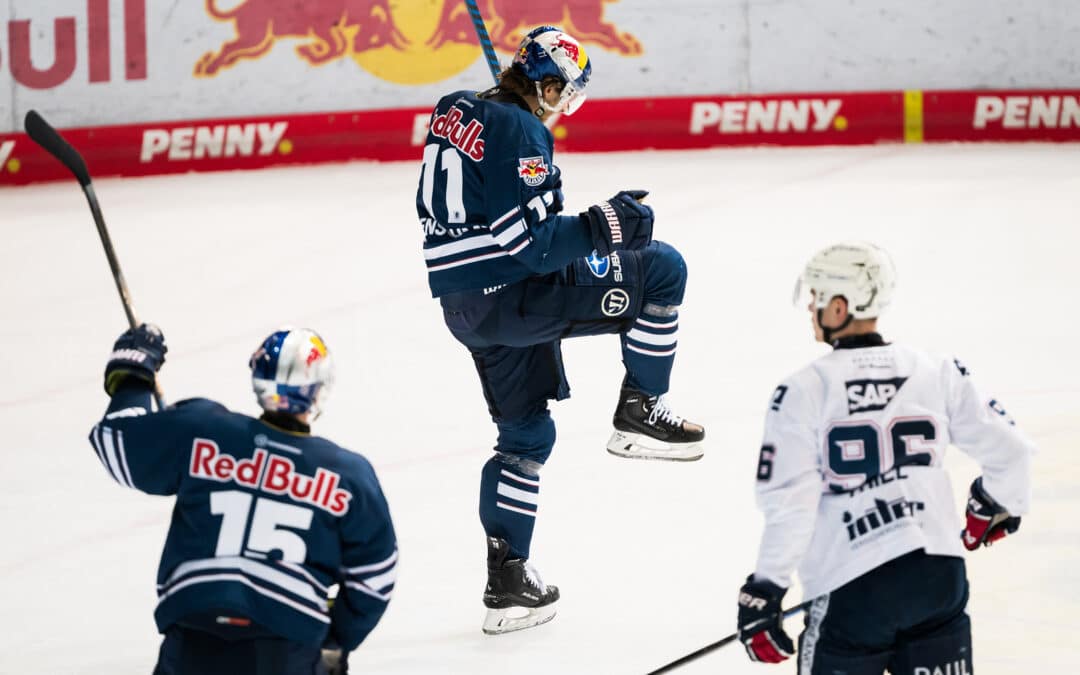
column 761, row 623
column 987, row 521
column 137, row 353
column 621, row 222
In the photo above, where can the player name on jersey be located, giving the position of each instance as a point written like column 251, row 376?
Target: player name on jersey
column 270, row 473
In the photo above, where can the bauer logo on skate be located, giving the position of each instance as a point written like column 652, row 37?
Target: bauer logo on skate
column 776, row 115
column 1027, row 112
column 220, row 140
column 270, row 473
column 464, row 138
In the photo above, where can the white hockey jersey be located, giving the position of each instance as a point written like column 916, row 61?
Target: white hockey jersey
column 850, row 474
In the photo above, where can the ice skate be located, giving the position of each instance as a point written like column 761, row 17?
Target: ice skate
column 646, row 428
column 515, row 596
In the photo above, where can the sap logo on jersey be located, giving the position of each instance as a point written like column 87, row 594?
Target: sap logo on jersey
column 221, row 140
column 954, row 668
column 867, row 395
column 464, row 138
column 270, row 473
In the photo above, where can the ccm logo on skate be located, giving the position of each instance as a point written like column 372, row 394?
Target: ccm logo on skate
column 866, row 395
column 270, row 473
column 615, row 302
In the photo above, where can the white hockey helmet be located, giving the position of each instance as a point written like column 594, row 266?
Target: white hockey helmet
column 859, row 271
column 292, row 372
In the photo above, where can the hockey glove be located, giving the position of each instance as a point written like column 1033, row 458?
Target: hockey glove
column 987, row 521
column 622, row 222
column 761, row 622
column 137, row 353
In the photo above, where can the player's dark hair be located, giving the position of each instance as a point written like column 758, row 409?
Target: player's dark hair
column 514, row 81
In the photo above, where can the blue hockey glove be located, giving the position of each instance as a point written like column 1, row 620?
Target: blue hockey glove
column 622, row 222
column 137, row 353
column 987, row 521
column 761, row 622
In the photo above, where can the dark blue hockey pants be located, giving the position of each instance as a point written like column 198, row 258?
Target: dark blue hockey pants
column 188, row 651
column 906, row 616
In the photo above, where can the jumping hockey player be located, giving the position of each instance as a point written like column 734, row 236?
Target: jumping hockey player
column 267, row 517
column 514, row 278
column 855, row 495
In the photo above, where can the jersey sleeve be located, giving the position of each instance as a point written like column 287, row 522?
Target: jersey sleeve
column 143, row 450
column 788, row 482
column 980, row 427
column 523, row 200
column 369, row 563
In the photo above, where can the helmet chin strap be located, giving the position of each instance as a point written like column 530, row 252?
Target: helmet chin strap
column 827, row 332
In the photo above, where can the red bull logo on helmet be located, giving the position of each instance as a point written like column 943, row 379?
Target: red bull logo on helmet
column 403, row 42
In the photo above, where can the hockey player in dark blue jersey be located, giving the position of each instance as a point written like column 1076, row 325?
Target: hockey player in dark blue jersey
column 268, row 518
column 515, row 277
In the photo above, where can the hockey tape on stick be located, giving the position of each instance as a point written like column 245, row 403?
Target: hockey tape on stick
column 693, row 656
column 43, row 133
column 485, row 39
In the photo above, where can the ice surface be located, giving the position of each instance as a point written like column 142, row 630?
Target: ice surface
column 648, row 555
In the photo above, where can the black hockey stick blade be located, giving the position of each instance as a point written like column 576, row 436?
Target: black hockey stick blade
column 42, row 133
column 693, row 656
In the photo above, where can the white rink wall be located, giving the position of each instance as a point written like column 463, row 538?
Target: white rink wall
column 104, row 62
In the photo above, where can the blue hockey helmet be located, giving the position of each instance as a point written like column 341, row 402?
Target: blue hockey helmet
column 548, row 52
column 292, row 372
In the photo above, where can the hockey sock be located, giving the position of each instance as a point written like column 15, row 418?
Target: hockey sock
column 508, row 500
column 649, row 349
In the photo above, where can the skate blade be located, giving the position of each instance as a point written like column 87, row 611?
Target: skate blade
column 499, row 621
column 628, row 444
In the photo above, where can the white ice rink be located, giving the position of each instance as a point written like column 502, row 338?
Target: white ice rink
column 648, row 555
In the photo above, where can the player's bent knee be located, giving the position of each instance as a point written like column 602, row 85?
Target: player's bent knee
column 527, row 440
column 665, row 273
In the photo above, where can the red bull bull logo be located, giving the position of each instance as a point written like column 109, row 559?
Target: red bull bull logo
column 532, row 170
column 403, row 42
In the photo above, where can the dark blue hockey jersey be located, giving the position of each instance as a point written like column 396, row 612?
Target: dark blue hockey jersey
column 489, row 197
column 265, row 521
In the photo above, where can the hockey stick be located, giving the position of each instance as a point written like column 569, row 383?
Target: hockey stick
column 485, row 40
column 42, row 133
column 693, row 656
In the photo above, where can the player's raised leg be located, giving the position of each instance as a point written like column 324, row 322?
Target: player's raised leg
column 646, row 427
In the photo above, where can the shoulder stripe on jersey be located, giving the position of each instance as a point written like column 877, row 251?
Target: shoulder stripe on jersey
column 240, row 578
column 111, row 454
column 123, row 457
column 504, row 217
column 251, row 568
column 381, row 581
column 374, row 567
column 95, row 440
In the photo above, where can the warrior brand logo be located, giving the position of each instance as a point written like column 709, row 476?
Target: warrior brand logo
column 867, row 395
column 740, row 117
column 899, row 512
column 270, row 473
column 221, row 140
column 532, row 170
column 615, row 302
column 613, row 222
column 1027, row 112
column 751, row 602
column 598, row 265
column 954, row 668
column 128, row 355
column 464, row 138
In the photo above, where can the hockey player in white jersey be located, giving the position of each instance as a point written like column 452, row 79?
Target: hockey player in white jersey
column 856, row 498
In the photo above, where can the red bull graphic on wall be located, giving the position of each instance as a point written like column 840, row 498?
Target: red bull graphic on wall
column 401, row 42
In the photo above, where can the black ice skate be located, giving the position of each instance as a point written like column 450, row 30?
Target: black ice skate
column 646, row 428
column 515, row 596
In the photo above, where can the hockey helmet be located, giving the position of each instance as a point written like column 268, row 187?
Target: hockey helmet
column 859, row 271
column 548, row 52
column 292, row 372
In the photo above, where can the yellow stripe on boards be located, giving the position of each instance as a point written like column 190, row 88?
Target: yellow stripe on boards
column 913, row 116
